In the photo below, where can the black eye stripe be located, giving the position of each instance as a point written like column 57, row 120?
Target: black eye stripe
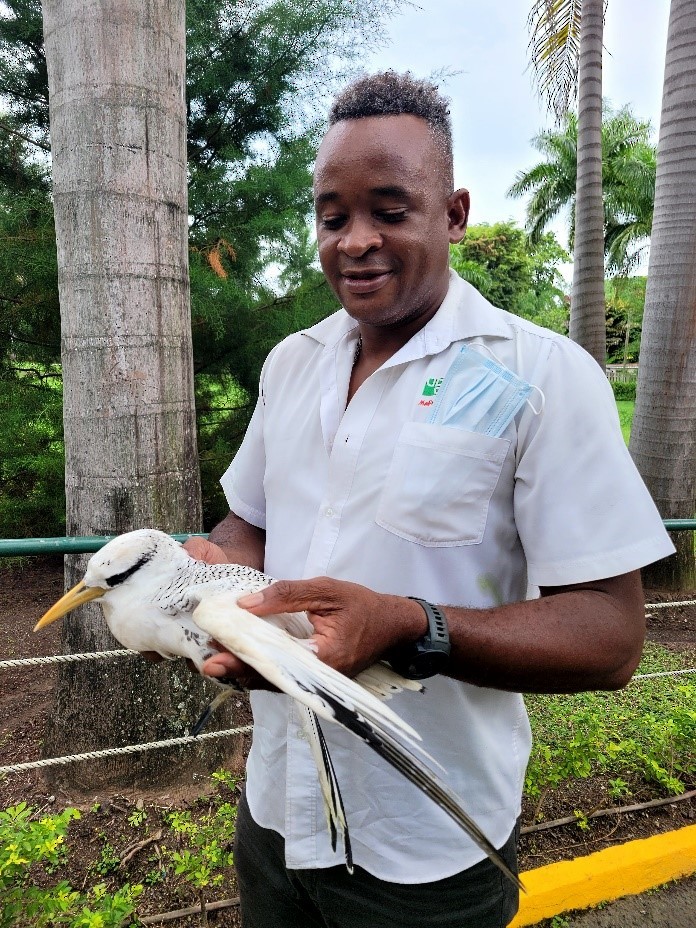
column 119, row 578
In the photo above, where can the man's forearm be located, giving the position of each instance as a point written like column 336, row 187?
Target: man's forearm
column 571, row 639
column 242, row 542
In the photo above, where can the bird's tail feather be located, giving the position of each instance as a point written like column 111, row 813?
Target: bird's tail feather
column 414, row 770
column 333, row 801
column 383, row 682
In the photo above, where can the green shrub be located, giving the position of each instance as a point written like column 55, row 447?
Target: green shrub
column 29, row 849
column 624, row 390
column 206, row 845
column 643, row 733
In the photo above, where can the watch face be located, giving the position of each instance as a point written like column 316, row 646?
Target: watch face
column 426, row 664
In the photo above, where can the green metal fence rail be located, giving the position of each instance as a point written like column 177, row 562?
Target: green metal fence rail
column 86, row 544
column 78, row 544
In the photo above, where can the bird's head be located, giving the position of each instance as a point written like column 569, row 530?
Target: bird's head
column 129, row 558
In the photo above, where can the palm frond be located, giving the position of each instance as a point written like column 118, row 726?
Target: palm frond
column 628, row 182
column 554, row 48
column 625, row 245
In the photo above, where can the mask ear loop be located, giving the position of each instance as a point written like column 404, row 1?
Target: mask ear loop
column 488, row 350
column 537, row 412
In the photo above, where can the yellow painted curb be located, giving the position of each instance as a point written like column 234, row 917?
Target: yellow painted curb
column 624, row 870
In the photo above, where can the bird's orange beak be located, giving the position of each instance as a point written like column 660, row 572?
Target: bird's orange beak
column 73, row 598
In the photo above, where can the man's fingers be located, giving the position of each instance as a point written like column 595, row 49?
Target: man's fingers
column 317, row 595
column 224, row 664
column 203, row 550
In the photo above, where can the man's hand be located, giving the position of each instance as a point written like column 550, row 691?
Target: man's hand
column 353, row 626
column 226, row 668
column 203, row 550
column 224, row 664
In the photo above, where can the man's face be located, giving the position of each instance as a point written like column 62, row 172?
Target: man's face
column 385, row 218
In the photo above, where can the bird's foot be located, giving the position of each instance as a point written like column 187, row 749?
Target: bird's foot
column 203, row 720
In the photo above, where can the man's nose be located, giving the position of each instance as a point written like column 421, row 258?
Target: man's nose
column 359, row 237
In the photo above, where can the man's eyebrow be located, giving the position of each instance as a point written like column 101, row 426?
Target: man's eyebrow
column 394, row 191
column 328, row 197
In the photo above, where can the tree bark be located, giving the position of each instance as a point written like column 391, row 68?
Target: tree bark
column 587, row 309
column 116, row 83
column 663, row 435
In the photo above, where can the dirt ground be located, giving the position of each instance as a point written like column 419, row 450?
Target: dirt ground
column 28, row 587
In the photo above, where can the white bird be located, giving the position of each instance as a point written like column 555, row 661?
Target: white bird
column 155, row 597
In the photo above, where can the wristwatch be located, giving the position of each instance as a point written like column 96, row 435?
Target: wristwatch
column 429, row 655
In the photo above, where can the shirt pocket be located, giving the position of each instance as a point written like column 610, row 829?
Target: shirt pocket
column 439, row 484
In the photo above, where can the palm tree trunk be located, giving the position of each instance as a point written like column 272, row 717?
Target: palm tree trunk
column 663, row 436
column 116, row 81
column 587, row 310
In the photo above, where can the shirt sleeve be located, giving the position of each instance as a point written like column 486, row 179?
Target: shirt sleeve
column 242, row 482
column 582, row 510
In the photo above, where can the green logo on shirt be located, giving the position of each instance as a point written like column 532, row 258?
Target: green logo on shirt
column 432, row 385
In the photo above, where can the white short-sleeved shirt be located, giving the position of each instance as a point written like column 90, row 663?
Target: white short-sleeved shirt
column 374, row 494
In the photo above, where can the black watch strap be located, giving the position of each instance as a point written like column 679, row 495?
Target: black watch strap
column 428, row 656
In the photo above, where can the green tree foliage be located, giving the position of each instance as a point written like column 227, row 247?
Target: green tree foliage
column 31, row 464
column 628, row 183
column 514, row 272
column 259, row 73
column 29, row 315
column 31, row 428
column 225, row 396
column 625, row 300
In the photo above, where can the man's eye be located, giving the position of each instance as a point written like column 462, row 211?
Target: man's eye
column 332, row 222
column 392, row 215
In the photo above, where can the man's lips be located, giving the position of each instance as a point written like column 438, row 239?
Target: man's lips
column 365, row 281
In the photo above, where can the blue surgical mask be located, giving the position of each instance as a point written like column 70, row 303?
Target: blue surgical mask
column 479, row 394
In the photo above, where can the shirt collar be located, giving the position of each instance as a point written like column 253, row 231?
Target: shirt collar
column 464, row 313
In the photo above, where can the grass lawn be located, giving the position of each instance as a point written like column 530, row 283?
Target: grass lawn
column 625, row 408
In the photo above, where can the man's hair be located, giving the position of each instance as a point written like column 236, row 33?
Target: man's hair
column 391, row 94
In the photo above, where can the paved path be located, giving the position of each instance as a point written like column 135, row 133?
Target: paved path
column 671, row 907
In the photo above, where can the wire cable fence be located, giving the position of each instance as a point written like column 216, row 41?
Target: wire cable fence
column 128, row 749
column 191, row 739
column 21, row 547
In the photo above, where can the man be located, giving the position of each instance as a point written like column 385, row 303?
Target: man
column 422, row 443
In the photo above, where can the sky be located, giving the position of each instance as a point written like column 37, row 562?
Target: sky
column 494, row 106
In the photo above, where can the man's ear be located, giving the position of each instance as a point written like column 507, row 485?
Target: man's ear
column 457, row 214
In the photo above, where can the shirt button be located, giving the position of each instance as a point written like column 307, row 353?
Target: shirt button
column 328, row 512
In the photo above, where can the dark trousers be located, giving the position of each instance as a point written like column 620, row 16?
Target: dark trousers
column 274, row 897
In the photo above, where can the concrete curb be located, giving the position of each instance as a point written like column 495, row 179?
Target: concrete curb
column 624, row 870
